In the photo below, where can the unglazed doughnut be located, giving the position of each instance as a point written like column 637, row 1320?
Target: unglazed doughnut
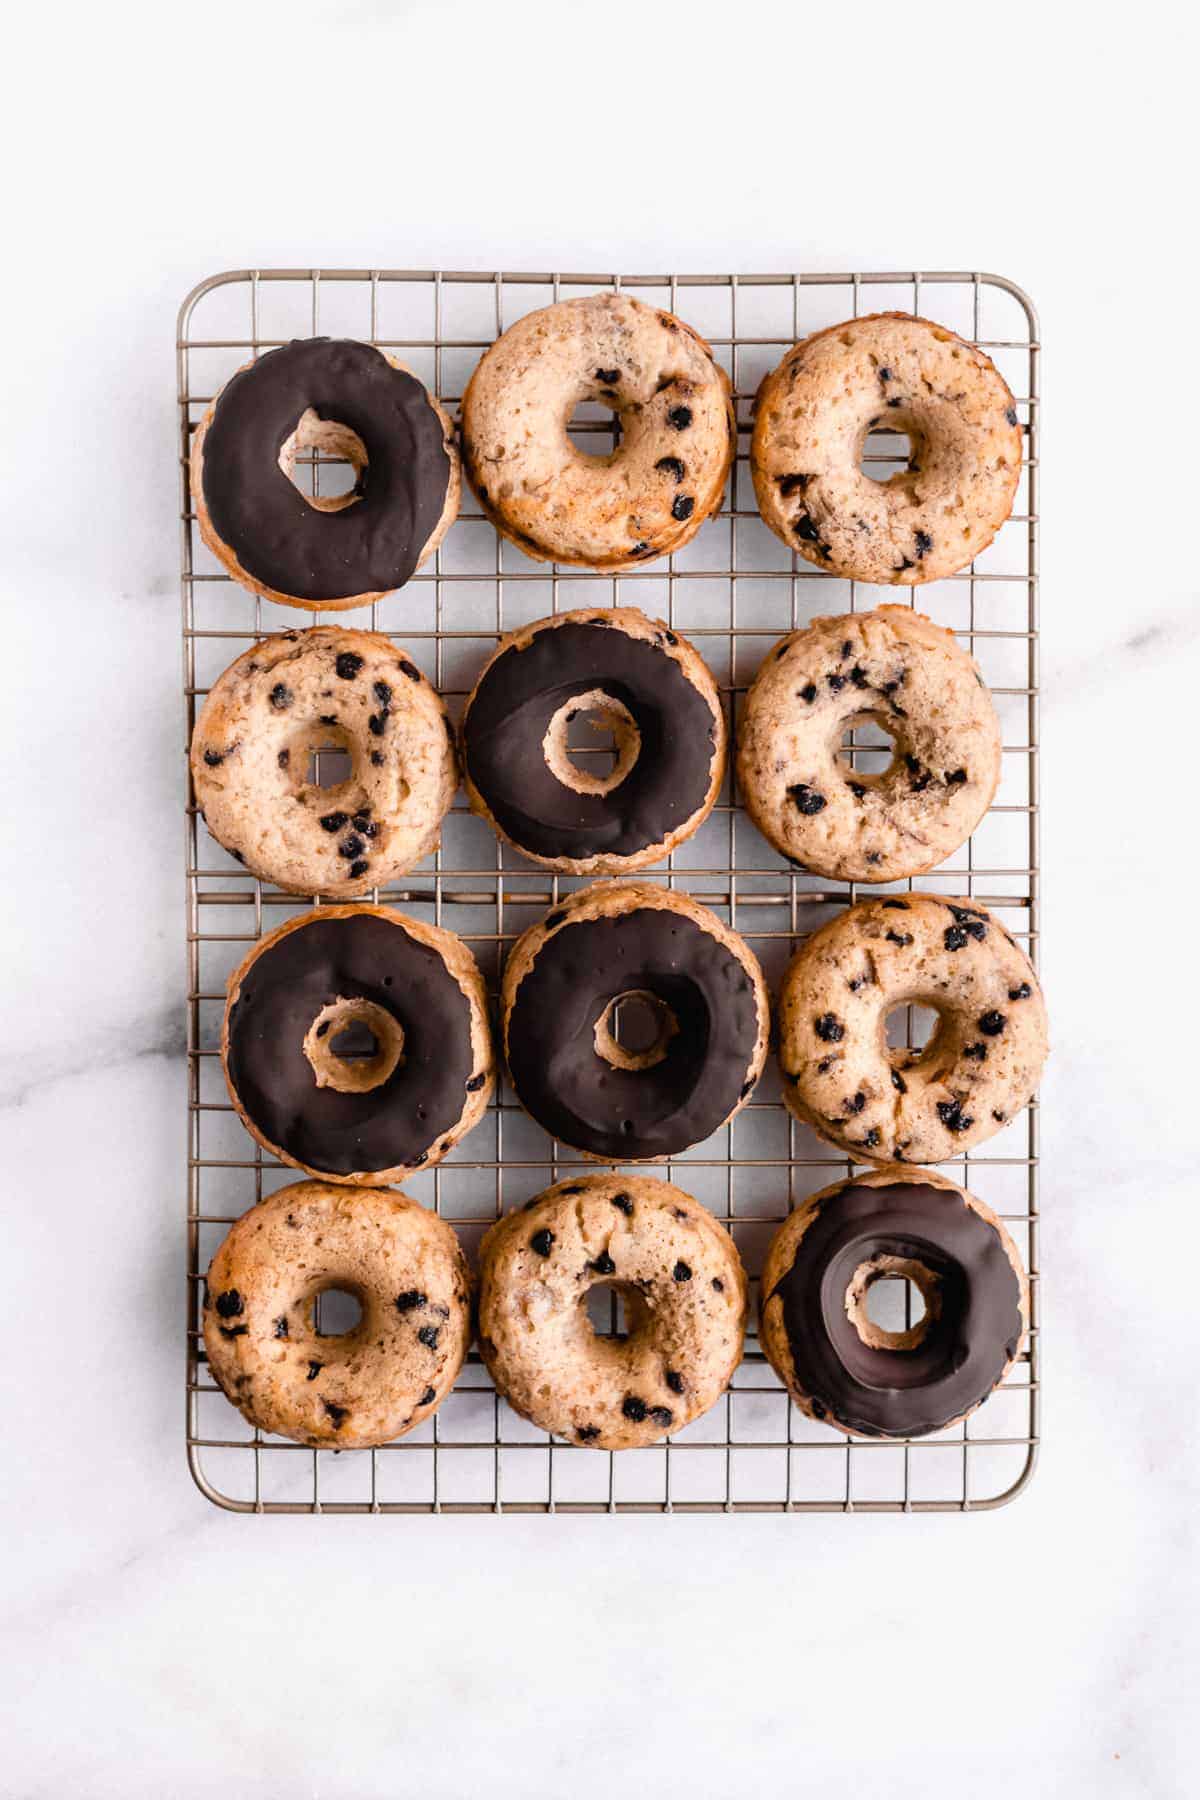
column 365, row 1386
column 662, row 706
column 911, row 1224
column 347, row 400
column 684, row 1291
column 356, row 1045
column 895, row 668
column 980, row 1067
column 652, row 494
column 332, row 689
column 700, row 982
column 892, row 372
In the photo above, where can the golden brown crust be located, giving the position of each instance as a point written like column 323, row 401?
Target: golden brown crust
column 634, row 622
column 228, row 558
column 781, row 1254
column 460, row 964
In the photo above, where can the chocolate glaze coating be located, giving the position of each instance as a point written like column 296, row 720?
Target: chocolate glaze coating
column 900, row 1393
column 283, row 991
column 281, row 540
column 620, row 1113
column 511, row 712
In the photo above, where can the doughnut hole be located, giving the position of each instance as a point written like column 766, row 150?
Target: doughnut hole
column 572, row 748
column 635, row 1030
column 892, row 453
column 615, row 1311
column 320, row 759
column 594, row 429
column 865, row 1300
column 912, row 1031
column 336, row 1312
column 328, row 454
column 354, row 1046
column 867, row 748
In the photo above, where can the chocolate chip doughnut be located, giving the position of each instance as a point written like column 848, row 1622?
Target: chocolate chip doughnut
column 978, row 1070
column 356, row 1044
column 886, row 372
column 361, row 1387
column 650, row 495
column 894, row 668
column 331, row 689
column 698, row 981
column 343, row 399
column 836, row 1363
column 658, row 699
column 684, row 1292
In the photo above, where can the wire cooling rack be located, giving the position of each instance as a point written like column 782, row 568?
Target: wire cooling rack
column 734, row 590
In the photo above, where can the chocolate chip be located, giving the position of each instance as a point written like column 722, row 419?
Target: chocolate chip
column 885, row 374
column 409, row 1300
column 806, row 799
column 329, row 719
column 382, row 693
column 377, row 758
column 281, row 1326
column 680, row 417
column 642, row 548
column 823, row 1067
column 674, row 1381
column 924, row 543
column 603, row 1264
column 662, row 1415
column 992, row 1023
column 808, row 693
column 624, row 1204
column 951, row 1114
column 334, row 821
column 671, row 465
column 1020, row 993
column 856, row 1104
column 314, row 1369
column 871, row 1141
column 977, row 1052
column 1010, row 413
column 898, row 1082
column 903, row 938
column 857, row 789
column 633, row 1408
column 338, row 1414
column 348, row 665
column 792, row 484
column 954, row 937
column 585, row 1433
column 214, row 758
column 406, row 668
column 718, row 1285
column 836, row 682
column 858, row 676
column 897, row 401
column 359, row 868
column 367, row 826
column 956, row 777
column 670, row 637
column 683, row 507
column 428, row 1397
column 681, row 1272
column 541, row 1241
column 376, row 724
column 428, row 1335
column 608, row 377
column 806, row 530
column 829, row 1028
column 351, row 847
column 229, row 1304
column 284, row 758
column 475, row 1083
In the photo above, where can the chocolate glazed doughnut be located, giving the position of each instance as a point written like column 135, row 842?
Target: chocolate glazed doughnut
column 351, row 401
column 356, row 1045
column 837, row 1364
column 655, row 694
column 703, row 985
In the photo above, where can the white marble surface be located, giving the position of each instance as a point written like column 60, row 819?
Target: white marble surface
column 155, row 1646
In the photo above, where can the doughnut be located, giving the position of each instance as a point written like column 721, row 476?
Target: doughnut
column 648, row 497
column 894, row 668
column 978, row 1070
column 682, row 1285
column 886, row 372
column 364, row 1386
column 842, row 1368
column 355, row 1043
column 343, row 399
column 658, row 699
column 331, row 689
column 695, row 983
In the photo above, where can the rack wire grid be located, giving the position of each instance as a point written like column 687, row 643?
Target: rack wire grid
column 733, row 590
